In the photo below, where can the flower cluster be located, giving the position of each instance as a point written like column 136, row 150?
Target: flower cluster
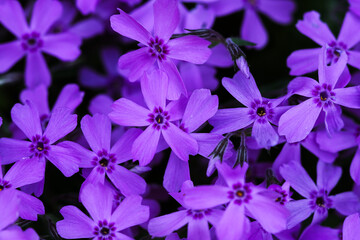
column 157, row 100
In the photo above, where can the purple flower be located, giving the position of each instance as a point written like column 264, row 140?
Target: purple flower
column 355, row 7
column 41, row 145
column 34, row 39
column 252, row 28
column 351, row 230
column 158, row 48
column 323, row 96
column 318, row 200
column 305, row 61
column 103, row 160
column 158, row 117
column 315, row 232
column 104, row 223
column 25, row 172
column 259, row 111
column 242, row 198
column 197, row 219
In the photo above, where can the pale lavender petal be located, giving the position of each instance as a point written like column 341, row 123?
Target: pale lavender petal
column 351, row 230
column 97, row 131
column 265, row 134
column 295, row 118
column 242, row 88
column 128, row 113
column 201, row 106
column 328, row 176
column 354, row 59
column 348, row 97
column 314, row 232
column 333, row 120
column 253, row 30
column 303, row 61
column 289, row 149
column 274, row 220
column 144, row 146
column 64, row 46
column 64, row 160
column 86, row 156
column 220, row 57
column 45, row 13
column 11, row 53
column 180, row 142
column 75, row 224
column 36, row 188
column 310, row 144
column 12, row 150
column 331, row 74
column 87, row 28
column 93, row 194
column 302, row 86
column 233, row 223
column 355, row 167
column 128, row 27
column 176, row 109
column 298, row 178
column 164, row 225
column 127, row 182
column 319, row 217
column 26, row 117
column 26, row 171
column 278, row 112
column 130, row 213
column 191, row 75
column 347, row 34
column 232, row 119
column 189, row 48
column 69, row 97
column 337, row 142
column 95, row 177
column 200, row 17
column 176, row 84
column 11, row 211
column 101, row 104
column 176, row 173
column 315, row 29
column 13, row 18
column 299, row 211
column 344, row 78
column 122, row 147
column 154, row 88
column 60, row 124
column 133, row 64
column 36, row 70
column 279, row 11
column 166, row 18
column 232, row 175
column 39, row 97
column 206, row 196
column 346, row 203
column 30, row 206
column 198, row 229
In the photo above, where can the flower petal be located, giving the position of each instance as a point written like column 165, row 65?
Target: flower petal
column 130, row 212
column 30, row 206
column 289, row 149
column 279, row 11
column 348, row 97
column 36, row 70
column 70, row 97
column 347, row 34
column 298, row 178
column 328, row 176
column 145, row 145
column 166, row 18
column 64, row 46
column 97, row 131
column 26, row 117
column 264, row 134
column 11, row 211
column 176, row 173
column 354, row 59
column 198, row 229
column 125, row 25
column 333, row 120
column 202, row 197
column 13, row 18
column 299, row 211
column 233, row 223
column 154, row 88
column 39, row 98
column 180, row 142
column 355, row 167
column 303, row 61
column 176, row 85
column 302, row 86
column 253, row 30
column 129, row 183
column 295, row 118
column 75, row 224
column 11, row 53
column 12, row 150
column 232, row 119
column 346, row 203
column 64, row 160
column 128, row 113
column 122, row 148
column 351, row 230
column 45, row 13
column 190, row 49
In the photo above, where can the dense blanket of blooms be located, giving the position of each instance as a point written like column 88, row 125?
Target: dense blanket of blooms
column 134, row 119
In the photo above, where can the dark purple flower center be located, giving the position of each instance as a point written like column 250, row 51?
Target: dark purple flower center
column 159, row 118
column 320, row 201
column 251, row 3
column 240, row 193
column 4, row 185
column 261, row 111
column 199, row 214
column 105, row 230
column 31, row 41
column 283, row 198
column 40, row 146
column 105, row 161
column 157, row 48
column 334, row 51
column 323, row 95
